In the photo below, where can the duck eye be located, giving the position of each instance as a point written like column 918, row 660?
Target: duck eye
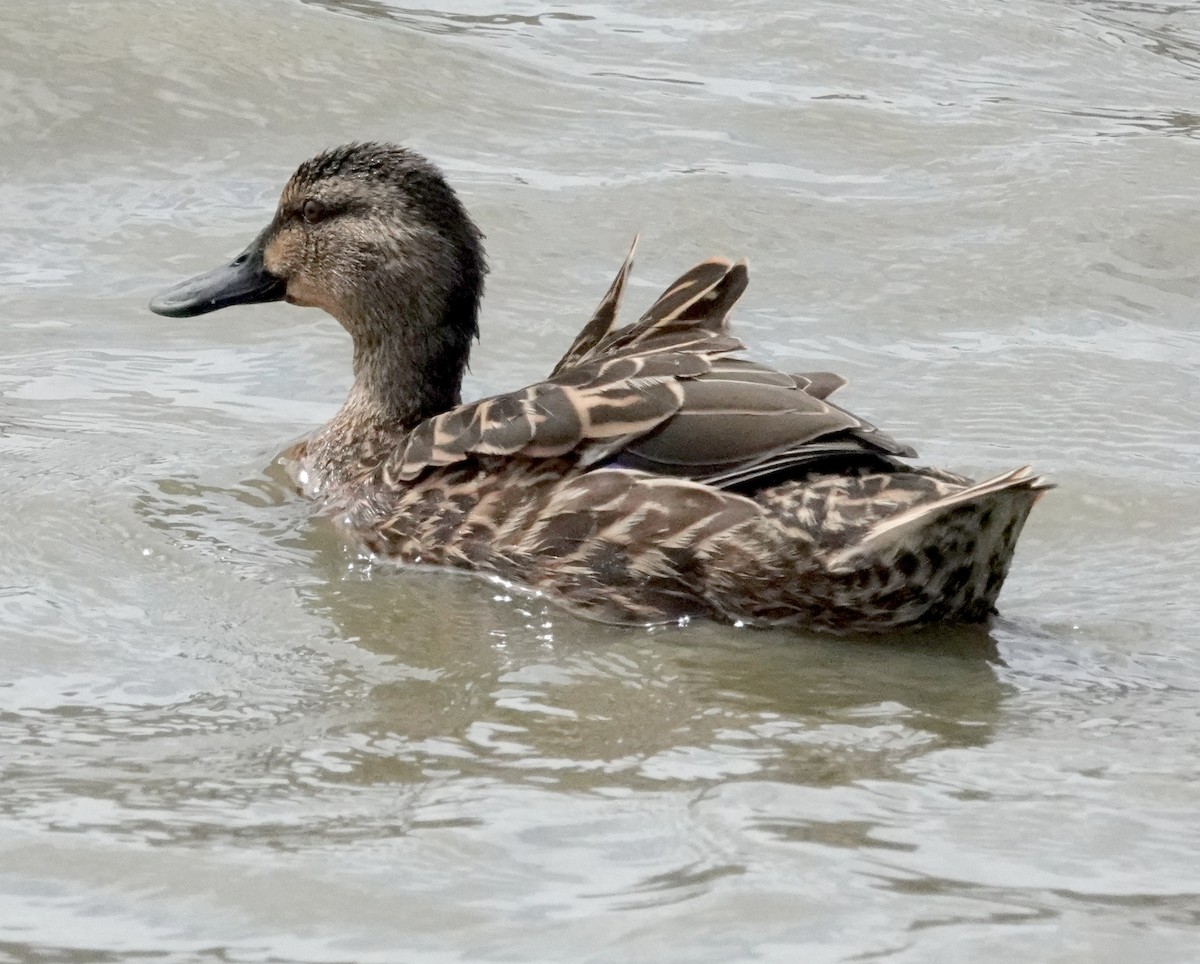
column 313, row 211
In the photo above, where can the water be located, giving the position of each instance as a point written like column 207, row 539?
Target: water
column 223, row 738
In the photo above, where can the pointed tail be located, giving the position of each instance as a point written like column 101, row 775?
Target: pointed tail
column 955, row 551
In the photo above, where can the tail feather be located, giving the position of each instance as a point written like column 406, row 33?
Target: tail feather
column 906, row 528
column 947, row 559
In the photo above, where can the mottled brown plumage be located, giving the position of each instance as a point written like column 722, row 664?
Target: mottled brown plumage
column 653, row 475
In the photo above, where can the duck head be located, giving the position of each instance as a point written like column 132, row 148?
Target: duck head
column 373, row 235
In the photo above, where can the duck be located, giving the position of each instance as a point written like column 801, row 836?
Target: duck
column 656, row 475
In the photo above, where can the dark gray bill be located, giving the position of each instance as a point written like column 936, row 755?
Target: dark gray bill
column 244, row 281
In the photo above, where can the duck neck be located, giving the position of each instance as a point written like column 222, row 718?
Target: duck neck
column 405, row 371
column 409, row 362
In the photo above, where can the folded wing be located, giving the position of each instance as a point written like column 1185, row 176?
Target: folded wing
column 661, row 395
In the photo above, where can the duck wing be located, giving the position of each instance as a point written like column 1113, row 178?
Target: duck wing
column 603, row 320
column 740, row 422
column 661, row 395
column 820, row 384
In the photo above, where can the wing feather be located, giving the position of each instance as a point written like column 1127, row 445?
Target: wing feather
column 820, row 384
column 661, row 396
column 603, row 320
column 729, row 431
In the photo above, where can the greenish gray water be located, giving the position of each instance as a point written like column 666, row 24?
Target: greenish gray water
column 224, row 738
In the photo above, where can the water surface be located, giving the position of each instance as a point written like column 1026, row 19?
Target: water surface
column 223, row 737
